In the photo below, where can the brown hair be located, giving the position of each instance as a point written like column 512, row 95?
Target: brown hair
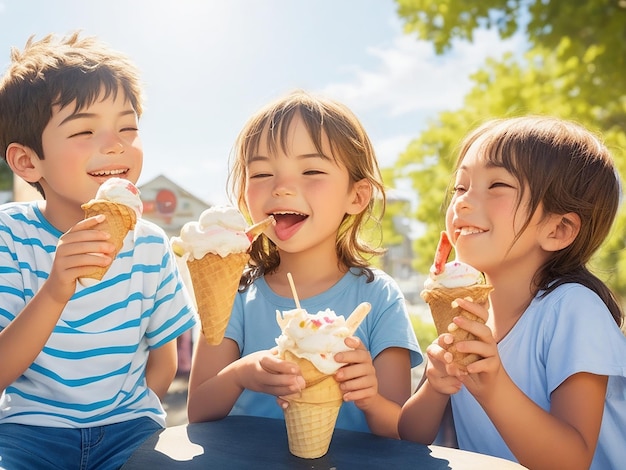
column 58, row 71
column 350, row 146
column 564, row 168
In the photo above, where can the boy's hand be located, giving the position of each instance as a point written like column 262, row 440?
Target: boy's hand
column 357, row 379
column 78, row 251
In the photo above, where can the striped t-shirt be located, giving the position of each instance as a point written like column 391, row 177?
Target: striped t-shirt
column 91, row 371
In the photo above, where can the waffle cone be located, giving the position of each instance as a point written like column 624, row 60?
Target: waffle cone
column 120, row 219
column 440, row 303
column 215, row 282
column 311, row 415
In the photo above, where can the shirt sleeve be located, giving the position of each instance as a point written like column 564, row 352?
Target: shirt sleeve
column 580, row 335
column 173, row 312
column 388, row 324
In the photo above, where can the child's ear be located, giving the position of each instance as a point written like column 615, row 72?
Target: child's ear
column 20, row 160
column 560, row 231
column 361, row 196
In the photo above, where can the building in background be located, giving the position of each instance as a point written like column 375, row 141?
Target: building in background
column 168, row 205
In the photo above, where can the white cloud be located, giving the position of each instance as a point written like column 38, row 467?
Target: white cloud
column 388, row 149
column 411, row 78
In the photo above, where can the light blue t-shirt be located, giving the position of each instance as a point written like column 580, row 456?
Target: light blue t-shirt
column 253, row 326
column 566, row 332
column 91, row 371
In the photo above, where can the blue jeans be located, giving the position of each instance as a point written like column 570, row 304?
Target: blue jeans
column 101, row 447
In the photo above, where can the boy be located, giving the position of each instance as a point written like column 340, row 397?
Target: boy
column 83, row 368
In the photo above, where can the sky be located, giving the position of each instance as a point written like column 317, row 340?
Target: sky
column 208, row 65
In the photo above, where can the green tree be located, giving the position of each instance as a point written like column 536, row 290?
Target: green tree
column 589, row 36
column 6, row 177
column 573, row 69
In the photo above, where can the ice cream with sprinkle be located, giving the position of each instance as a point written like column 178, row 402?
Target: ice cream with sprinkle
column 311, row 341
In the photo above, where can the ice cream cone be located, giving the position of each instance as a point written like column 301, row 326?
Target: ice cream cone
column 215, row 283
column 440, row 303
column 215, row 249
column 120, row 219
column 311, row 415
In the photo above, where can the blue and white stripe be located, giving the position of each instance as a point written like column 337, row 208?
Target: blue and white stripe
column 92, row 370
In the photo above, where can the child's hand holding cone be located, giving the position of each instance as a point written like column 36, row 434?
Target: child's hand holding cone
column 311, row 415
column 120, row 201
column 441, row 300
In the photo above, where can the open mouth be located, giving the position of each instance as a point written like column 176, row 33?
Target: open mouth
column 288, row 223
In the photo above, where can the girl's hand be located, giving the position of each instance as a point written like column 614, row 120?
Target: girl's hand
column 81, row 249
column 357, row 379
column 264, row 372
column 481, row 374
column 441, row 373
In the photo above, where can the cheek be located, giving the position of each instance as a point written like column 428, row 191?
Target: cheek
column 254, row 195
column 251, row 190
column 449, row 217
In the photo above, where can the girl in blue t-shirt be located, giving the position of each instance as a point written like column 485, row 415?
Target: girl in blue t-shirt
column 533, row 199
column 308, row 162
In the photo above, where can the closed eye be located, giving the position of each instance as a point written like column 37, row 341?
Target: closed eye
column 260, row 175
column 81, row 133
column 500, row 184
column 314, row 172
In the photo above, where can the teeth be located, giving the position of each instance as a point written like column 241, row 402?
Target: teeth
column 109, row 173
column 470, row 230
column 287, row 213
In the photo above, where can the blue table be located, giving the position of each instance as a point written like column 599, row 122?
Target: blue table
column 241, row 442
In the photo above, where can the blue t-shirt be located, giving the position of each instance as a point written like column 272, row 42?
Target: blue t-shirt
column 566, row 332
column 91, row 371
column 253, row 326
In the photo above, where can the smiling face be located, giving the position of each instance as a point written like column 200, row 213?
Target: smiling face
column 82, row 149
column 487, row 216
column 307, row 192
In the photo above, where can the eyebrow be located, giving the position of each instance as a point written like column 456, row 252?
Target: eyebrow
column 255, row 158
column 489, row 164
column 73, row 117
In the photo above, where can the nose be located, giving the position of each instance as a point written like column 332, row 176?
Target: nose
column 282, row 190
column 112, row 145
column 463, row 202
column 283, row 186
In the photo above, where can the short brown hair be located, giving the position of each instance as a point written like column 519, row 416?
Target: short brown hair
column 59, row 71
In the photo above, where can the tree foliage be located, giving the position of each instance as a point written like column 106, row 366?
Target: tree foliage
column 589, row 37
column 574, row 69
column 6, row 177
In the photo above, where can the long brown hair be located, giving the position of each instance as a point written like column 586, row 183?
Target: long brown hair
column 350, row 146
column 564, row 168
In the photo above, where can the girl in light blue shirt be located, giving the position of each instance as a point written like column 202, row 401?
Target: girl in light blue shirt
column 533, row 199
column 308, row 162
